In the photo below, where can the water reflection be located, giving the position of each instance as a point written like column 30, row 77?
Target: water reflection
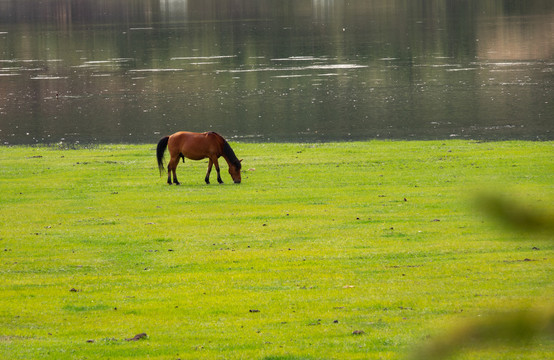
column 306, row 70
column 174, row 10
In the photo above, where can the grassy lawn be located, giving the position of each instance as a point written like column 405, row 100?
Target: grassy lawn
column 325, row 251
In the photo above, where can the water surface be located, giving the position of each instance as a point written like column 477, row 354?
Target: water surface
column 261, row 70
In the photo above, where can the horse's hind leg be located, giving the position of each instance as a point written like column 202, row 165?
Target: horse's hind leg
column 175, row 175
column 172, row 169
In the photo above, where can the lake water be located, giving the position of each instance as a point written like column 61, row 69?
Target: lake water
column 263, row 70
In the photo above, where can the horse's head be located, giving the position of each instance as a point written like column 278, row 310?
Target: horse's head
column 234, row 171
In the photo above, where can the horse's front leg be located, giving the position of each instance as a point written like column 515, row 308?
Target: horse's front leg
column 216, row 163
column 207, row 179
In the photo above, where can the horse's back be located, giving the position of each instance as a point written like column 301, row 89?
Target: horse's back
column 195, row 146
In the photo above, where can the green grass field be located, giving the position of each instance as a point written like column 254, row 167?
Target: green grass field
column 325, row 251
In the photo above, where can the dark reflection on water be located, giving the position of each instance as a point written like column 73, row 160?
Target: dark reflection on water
column 263, row 70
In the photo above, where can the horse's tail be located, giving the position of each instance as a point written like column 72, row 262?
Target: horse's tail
column 160, row 150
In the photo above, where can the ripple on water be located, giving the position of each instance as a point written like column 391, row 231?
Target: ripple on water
column 48, row 77
column 203, row 57
column 154, row 70
column 300, row 68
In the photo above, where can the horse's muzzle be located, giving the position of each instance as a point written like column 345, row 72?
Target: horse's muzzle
column 237, row 181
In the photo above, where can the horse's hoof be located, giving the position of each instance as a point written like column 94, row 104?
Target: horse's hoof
column 177, row 183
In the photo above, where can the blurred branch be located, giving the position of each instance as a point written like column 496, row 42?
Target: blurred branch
column 506, row 328
column 515, row 327
column 515, row 214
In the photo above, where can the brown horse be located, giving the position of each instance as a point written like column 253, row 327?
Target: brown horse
column 196, row 146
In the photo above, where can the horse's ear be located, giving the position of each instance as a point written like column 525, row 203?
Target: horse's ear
column 240, row 160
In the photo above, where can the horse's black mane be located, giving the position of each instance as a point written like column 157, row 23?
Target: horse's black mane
column 229, row 153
